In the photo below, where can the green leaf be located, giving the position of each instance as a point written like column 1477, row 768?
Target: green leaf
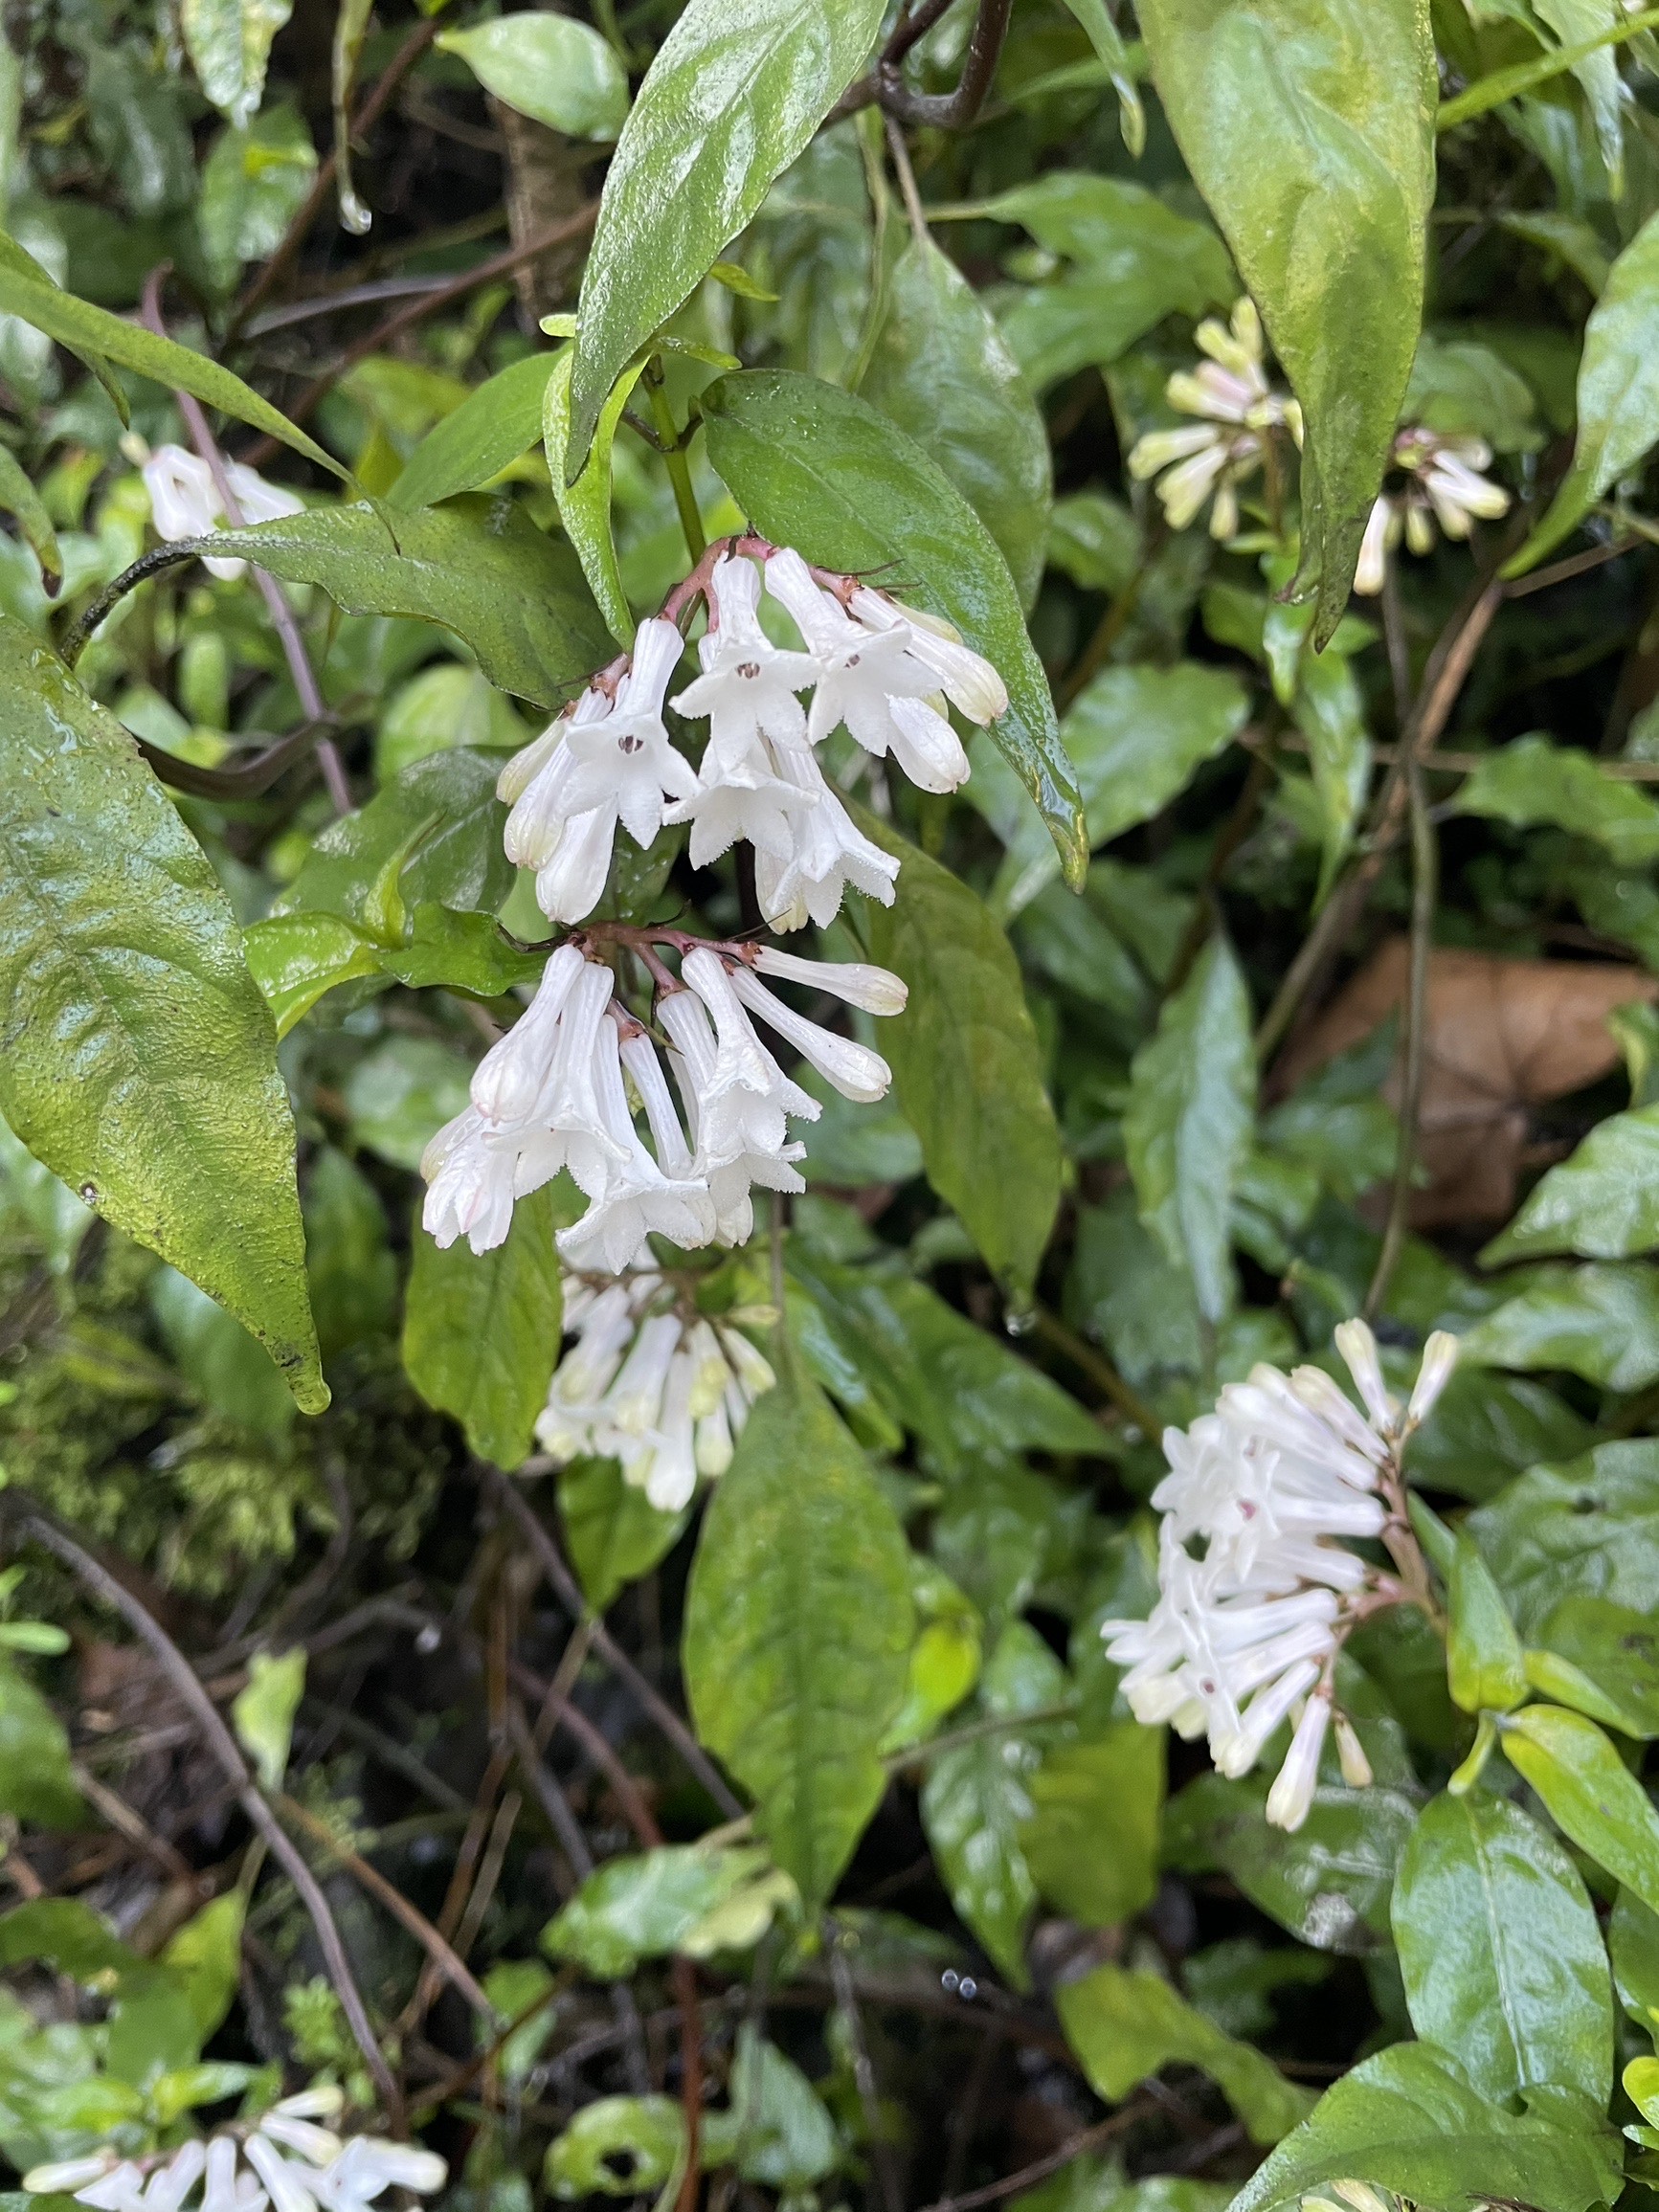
column 486, row 433
column 1533, row 780
column 1135, row 260
column 798, row 1627
column 975, row 1802
column 1524, row 76
column 1575, row 23
column 1590, row 1528
column 138, row 1060
column 462, row 951
column 817, row 469
column 1134, row 738
column 481, row 1332
column 1188, row 1121
column 207, row 1954
column 1589, row 1793
column 777, row 2130
column 612, row 1532
column 30, row 294
column 218, row 1359
column 943, row 372
column 1618, row 393
column 1092, row 1839
column 617, row 2147
column 735, row 92
column 264, row 1711
column 400, row 1094
column 1600, row 1321
column 551, row 68
column 228, row 43
column 1407, row 2120
column 1603, row 1201
column 585, row 501
column 1601, row 1658
column 35, row 1780
column 1633, row 1945
column 434, row 833
column 480, row 567
column 1330, row 1882
column 254, row 184
column 1463, row 388
column 1309, row 127
column 1502, row 1956
column 966, row 1062
column 1330, row 713
column 1105, row 36
column 18, row 497
column 643, row 1906
column 22, row 262
column 352, row 1273
column 296, row 959
column 1484, row 1663
column 1125, row 2026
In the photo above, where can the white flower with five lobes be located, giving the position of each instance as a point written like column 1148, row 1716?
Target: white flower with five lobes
column 826, row 854
column 748, row 685
column 736, row 1100
column 631, row 1198
column 1271, row 1488
column 184, row 500
column 1230, row 392
column 1444, row 486
column 966, row 678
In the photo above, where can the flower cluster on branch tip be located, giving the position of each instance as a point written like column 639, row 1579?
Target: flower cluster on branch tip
column 561, row 1090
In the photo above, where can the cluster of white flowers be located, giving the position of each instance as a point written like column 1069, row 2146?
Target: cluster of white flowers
column 184, row 502
column 1444, row 485
column 882, row 670
column 653, row 1383
column 1257, row 1588
column 241, row 2170
column 551, row 1094
column 1240, row 411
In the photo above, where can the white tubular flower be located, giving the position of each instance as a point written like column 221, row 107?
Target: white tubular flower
column 625, row 759
column 1443, row 485
column 184, row 502
column 827, row 854
column 736, row 1100
column 324, row 2172
column 856, row 1071
column 469, row 1184
column 64, row 2176
column 966, row 678
column 1240, row 411
column 877, row 990
column 120, row 2189
column 670, row 1410
column 748, row 684
column 289, row 2186
column 226, row 2186
column 512, row 1075
column 1291, row 1795
column 535, row 785
column 631, row 1198
column 1371, row 571
column 368, row 2166
column 1257, row 1587
column 868, row 678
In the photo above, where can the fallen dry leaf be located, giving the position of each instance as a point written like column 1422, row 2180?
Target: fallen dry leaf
column 1503, row 1035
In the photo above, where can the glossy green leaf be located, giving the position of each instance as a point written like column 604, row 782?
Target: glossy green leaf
column 461, row 951
column 1576, row 23
column 18, row 497
column 798, row 1628
column 1618, row 393
column 644, row 1907
column 252, row 185
column 612, row 1531
column 1124, row 2025
column 481, row 569
column 1589, row 1528
column 1309, row 127
column 945, row 1659
column 1107, row 39
column 1633, row 1946
column 1533, row 780
column 228, row 43
column 432, row 834
column 735, row 92
column 943, row 372
column 817, row 469
column 296, row 959
column 966, row 1063
column 1589, row 1793
column 485, row 435
column 20, row 261
column 1092, row 1839
column 1330, row 713
column 33, row 298
column 1502, row 1956
column 35, row 1780
column 976, row 1800
column 1601, row 1660
column 218, row 1359
column 263, row 1711
column 481, row 1331
column 1134, row 738
column 1407, row 2120
column 585, row 501
column 1603, row 1201
column 550, row 67
column 140, row 1063
column 1600, row 1321
column 1188, row 1121
column 777, row 2130
column 352, row 1270
column 1330, row 1883
column 1484, row 1663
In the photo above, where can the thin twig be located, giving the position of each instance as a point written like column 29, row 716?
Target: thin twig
column 45, row 1531
column 1424, row 891
column 886, row 87
column 907, row 177
column 387, row 1893
column 569, row 1593
column 378, row 339
column 122, row 1816
column 863, row 2072
column 1011, row 2184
